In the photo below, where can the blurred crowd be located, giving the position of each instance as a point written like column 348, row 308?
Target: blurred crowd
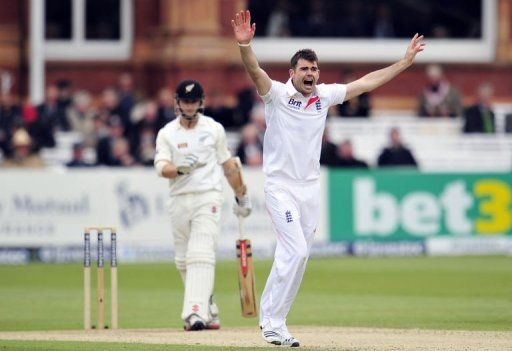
column 366, row 19
column 119, row 127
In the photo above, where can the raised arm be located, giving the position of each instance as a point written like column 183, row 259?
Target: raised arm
column 244, row 32
column 377, row 78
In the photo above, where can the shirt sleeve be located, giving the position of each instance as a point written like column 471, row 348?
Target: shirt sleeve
column 221, row 147
column 273, row 93
column 163, row 148
column 337, row 93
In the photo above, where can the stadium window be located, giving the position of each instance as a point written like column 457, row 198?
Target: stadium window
column 88, row 29
column 373, row 30
column 58, row 19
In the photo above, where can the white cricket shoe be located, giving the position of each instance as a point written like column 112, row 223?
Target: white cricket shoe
column 278, row 336
column 194, row 322
column 214, row 323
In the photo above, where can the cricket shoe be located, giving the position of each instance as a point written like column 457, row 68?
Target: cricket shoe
column 194, row 322
column 214, row 323
column 278, row 336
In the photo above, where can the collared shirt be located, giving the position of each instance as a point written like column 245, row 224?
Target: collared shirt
column 295, row 125
column 207, row 141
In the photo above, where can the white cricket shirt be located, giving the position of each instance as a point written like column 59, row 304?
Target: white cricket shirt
column 295, row 125
column 207, row 141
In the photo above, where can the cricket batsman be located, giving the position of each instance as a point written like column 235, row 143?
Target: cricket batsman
column 192, row 152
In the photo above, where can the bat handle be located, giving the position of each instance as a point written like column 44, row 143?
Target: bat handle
column 241, row 227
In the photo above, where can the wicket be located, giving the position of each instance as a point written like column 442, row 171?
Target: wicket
column 100, row 292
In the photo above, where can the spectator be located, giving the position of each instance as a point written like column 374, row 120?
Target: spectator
column 439, row 98
column 10, row 118
column 126, row 93
column 358, row 107
column 479, row 118
column 250, row 149
column 245, row 98
column 105, row 147
column 258, row 119
column 77, row 160
column 383, row 26
column 63, row 94
column 111, row 108
column 81, row 117
column 396, row 154
column 50, row 118
column 120, row 154
column 219, row 111
column 145, row 132
column 279, row 20
column 165, row 107
column 328, row 155
column 345, row 157
column 22, row 156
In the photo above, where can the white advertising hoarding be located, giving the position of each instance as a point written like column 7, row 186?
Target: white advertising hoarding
column 51, row 208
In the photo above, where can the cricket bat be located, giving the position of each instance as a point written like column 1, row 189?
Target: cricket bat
column 245, row 274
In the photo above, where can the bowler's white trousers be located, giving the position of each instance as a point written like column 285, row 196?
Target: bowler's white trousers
column 294, row 209
column 195, row 219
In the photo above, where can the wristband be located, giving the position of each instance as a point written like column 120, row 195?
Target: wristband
column 244, row 45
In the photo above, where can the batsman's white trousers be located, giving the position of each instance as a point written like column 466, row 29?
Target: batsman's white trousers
column 294, row 210
column 195, row 222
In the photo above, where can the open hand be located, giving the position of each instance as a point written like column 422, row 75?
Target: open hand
column 416, row 45
column 244, row 31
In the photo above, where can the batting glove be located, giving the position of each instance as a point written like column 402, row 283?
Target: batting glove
column 243, row 206
column 188, row 164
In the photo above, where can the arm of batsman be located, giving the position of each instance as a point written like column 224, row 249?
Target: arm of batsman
column 233, row 173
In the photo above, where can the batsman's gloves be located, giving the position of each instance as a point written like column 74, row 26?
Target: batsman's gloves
column 243, row 206
column 188, row 164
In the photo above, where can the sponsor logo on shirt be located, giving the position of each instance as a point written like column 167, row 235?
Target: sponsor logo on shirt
column 288, row 216
column 182, row 145
column 295, row 104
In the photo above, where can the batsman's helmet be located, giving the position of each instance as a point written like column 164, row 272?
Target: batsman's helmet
column 189, row 90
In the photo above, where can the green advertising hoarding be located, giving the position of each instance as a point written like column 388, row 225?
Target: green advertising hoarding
column 395, row 205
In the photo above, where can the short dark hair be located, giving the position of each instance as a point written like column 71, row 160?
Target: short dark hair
column 305, row 54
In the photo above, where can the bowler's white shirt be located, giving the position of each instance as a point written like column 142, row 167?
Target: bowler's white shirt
column 207, row 141
column 295, row 125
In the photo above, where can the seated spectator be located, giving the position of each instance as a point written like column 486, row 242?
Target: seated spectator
column 120, row 154
column 345, row 157
column 396, row 154
column 439, row 98
column 165, row 107
column 219, row 111
column 357, row 107
column 10, row 118
column 111, row 108
column 328, row 153
column 104, row 149
column 245, row 102
column 250, row 149
column 81, row 117
column 77, row 160
column 479, row 118
column 23, row 156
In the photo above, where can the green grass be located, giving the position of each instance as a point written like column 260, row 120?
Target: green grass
column 470, row 293
column 95, row 346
